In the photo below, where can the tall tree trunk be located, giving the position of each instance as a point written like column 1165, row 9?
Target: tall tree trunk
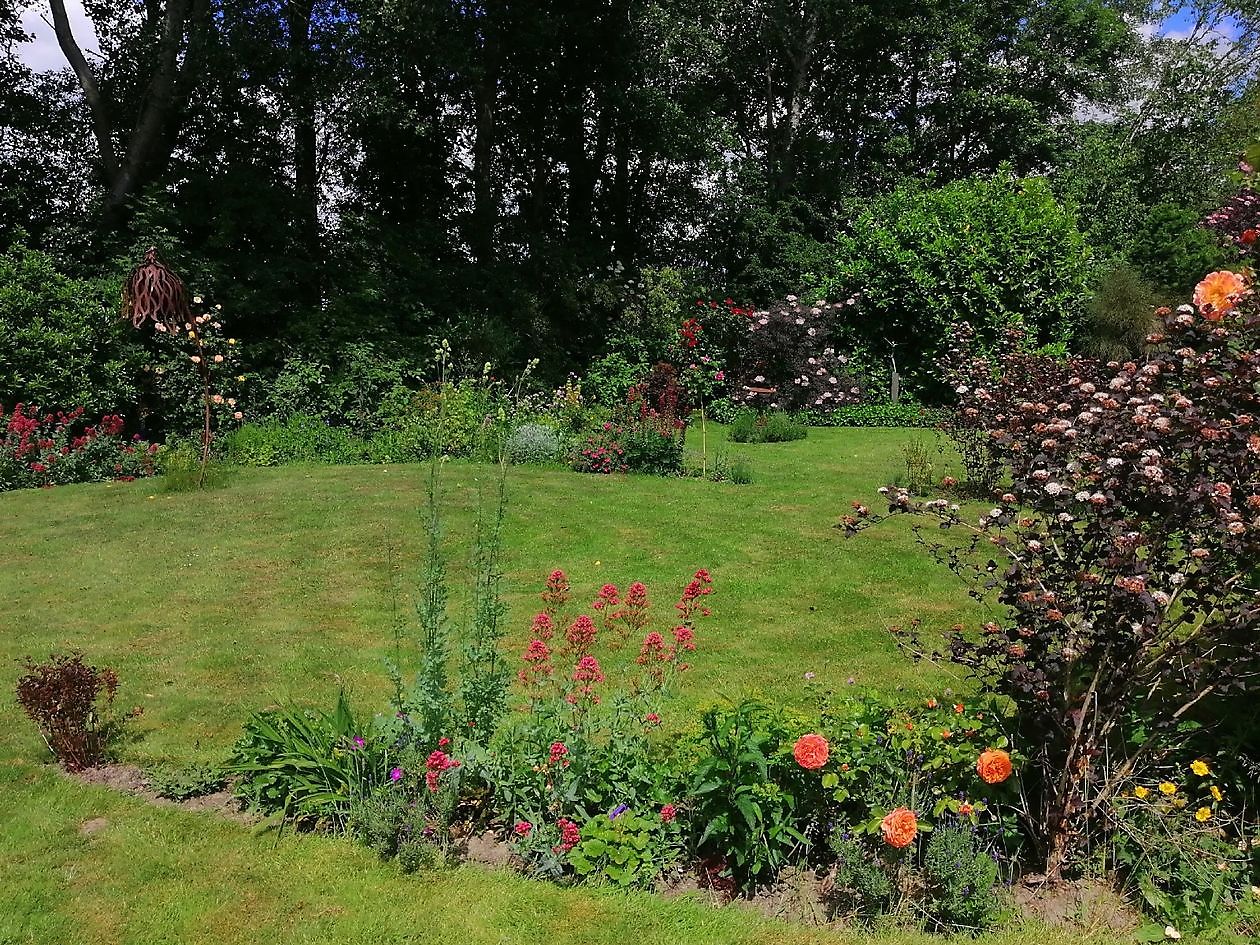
column 305, row 143
column 148, row 144
column 485, row 214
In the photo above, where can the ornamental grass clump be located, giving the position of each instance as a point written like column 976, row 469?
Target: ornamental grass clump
column 1123, row 554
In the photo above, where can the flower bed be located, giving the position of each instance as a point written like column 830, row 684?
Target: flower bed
column 38, row 450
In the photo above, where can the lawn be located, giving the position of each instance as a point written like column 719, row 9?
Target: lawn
column 277, row 587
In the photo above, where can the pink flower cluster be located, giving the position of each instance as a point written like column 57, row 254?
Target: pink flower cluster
column 437, row 764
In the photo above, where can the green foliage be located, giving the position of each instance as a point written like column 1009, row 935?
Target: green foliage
column 742, row 794
column 1188, row 853
column 920, row 473
column 306, row 765
column 906, row 413
column 1119, row 317
column 862, row 887
column 627, row 849
column 1172, row 250
column 997, row 252
column 608, row 378
column 534, row 444
column 179, row 464
column 302, row 438
column 62, row 343
column 961, row 881
column 404, row 819
column 182, row 782
column 750, row 426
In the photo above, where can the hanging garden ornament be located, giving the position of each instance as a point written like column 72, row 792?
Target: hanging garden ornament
column 155, row 294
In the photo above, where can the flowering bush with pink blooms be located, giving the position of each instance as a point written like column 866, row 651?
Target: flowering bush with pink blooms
column 593, row 681
column 789, row 360
column 40, row 449
column 1123, row 556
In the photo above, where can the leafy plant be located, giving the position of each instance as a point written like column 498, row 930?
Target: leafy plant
column 181, row 782
column 534, row 443
column 749, row 817
column 920, row 475
column 72, row 704
column 622, row 847
column 961, row 880
column 307, row 765
column 44, row 449
column 1123, row 556
column 749, row 426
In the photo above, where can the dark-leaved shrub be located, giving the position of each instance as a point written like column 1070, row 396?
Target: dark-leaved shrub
column 72, row 704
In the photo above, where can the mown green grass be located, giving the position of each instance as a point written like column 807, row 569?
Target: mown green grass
column 277, row 587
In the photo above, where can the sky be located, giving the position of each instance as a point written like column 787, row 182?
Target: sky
column 43, row 53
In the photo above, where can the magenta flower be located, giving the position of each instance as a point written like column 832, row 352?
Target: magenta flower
column 396, row 774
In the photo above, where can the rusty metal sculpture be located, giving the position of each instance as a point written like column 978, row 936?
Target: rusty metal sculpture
column 154, row 293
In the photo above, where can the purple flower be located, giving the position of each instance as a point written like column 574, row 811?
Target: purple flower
column 358, row 741
column 396, row 774
column 618, row 811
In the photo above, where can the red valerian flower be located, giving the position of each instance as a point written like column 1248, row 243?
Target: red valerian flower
column 542, row 627
column 668, row 813
column 435, row 766
column 522, row 828
column 570, row 835
column 556, row 594
column 558, row 753
column 607, row 597
column 581, row 634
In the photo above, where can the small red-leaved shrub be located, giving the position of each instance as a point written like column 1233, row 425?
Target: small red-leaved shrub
column 72, row 704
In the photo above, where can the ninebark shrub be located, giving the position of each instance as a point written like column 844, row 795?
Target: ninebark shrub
column 1124, row 553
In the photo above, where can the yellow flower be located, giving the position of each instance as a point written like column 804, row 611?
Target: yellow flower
column 1140, row 792
column 1216, row 793
column 1202, row 814
column 1200, row 768
column 1167, row 787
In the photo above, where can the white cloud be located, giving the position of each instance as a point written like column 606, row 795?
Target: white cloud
column 43, row 54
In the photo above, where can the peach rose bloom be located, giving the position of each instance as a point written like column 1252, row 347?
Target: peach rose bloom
column 899, row 827
column 994, row 766
column 811, row 751
column 1218, row 292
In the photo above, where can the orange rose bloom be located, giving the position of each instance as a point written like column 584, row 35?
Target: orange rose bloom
column 899, row 827
column 1217, row 293
column 811, row 751
column 994, row 766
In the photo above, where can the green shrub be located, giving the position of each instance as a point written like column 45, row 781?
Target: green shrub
column 301, row 438
column 62, row 342
column 608, row 378
column 179, row 783
column 901, row 414
column 749, row 426
column 307, row 765
column 862, row 888
column 622, row 848
column 179, row 464
column 534, row 443
column 960, row 880
column 1119, row 317
column 997, row 252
